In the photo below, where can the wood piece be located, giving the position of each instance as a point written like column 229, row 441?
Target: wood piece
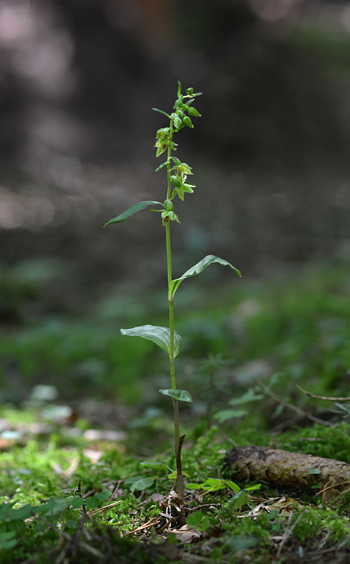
column 286, row 468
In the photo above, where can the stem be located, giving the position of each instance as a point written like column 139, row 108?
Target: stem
column 178, row 443
column 169, row 170
column 180, row 485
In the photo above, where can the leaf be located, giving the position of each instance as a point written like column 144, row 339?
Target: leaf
column 226, row 414
column 197, row 269
column 204, row 524
column 239, row 499
column 247, row 397
column 7, row 540
column 191, row 486
column 194, row 519
column 77, row 502
column 161, row 112
column 156, row 464
column 173, row 475
column 92, row 502
column 142, row 484
column 25, row 512
column 213, row 484
column 180, row 395
column 178, row 88
column 233, row 486
column 273, row 514
column 105, row 494
column 53, row 506
column 161, row 166
column 255, row 487
column 18, row 526
column 198, row 521
column 158, row 335
column 7, row 513
column 130, row 211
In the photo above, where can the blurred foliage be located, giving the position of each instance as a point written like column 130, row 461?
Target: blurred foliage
column 269, row 335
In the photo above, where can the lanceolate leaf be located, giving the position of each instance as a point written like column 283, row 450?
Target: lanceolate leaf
column 156, row 464
column 161, row 112
column 159, row 335
column 181, row 395
column 130, row 211
column 161, row 166
column 197, row 269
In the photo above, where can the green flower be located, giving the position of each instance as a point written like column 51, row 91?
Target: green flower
column 169, row 216
column 182, row 170
column 163, row 141
column 182, row 189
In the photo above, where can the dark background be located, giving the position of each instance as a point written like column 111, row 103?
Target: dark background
column 270, row 156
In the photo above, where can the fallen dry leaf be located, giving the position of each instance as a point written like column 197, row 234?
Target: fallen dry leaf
column 186, row 534
column 284, row 506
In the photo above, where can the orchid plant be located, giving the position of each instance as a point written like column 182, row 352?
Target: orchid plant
column 177, row 173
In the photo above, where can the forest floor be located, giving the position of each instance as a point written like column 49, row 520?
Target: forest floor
column 86, row 439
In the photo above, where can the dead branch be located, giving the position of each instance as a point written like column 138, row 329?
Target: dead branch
column 294, row 408
column 340, row 399
column 286, row 468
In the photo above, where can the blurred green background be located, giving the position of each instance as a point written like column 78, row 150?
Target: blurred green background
column 271, row 164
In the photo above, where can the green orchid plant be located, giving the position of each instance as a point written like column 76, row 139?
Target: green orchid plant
column 177, row 186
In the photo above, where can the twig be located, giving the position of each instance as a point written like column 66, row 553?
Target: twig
column 288, row 532
column 206, row 492
column 323, row 397
column 147, row 525
column 103, row 509
column 227, row 438
column 165, row 526
column 206, row 505
column 332, row 486
column 115, row 490
column 294, row 408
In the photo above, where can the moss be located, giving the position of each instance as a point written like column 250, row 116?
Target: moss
column 319, row 440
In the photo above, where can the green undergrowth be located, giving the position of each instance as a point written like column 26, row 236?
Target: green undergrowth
column 250, row 352
column 293, row 326
column 108, row 510
column 288, row 331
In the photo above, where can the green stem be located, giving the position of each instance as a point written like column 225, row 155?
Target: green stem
column 180, row 485
column 178, row 444
column 169, row 165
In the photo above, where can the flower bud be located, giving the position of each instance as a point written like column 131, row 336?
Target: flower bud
column 169, row 206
